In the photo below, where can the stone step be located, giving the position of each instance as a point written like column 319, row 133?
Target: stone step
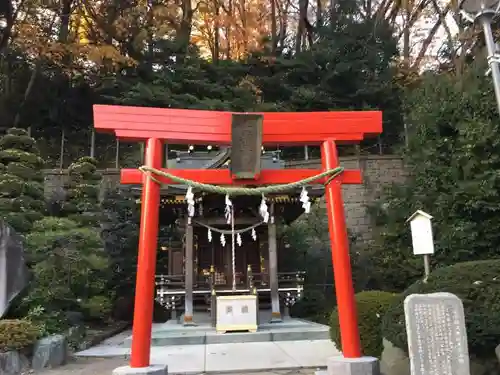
column 206, row 335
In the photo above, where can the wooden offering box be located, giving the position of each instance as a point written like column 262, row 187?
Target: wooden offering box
column 236, row 313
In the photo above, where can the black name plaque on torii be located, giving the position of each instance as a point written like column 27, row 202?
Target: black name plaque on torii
column 246, row 145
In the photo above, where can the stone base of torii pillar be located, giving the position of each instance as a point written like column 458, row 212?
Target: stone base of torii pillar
column 351, row 366
column 150, row 370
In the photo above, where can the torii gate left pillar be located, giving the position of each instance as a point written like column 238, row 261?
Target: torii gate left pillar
column 154, row 126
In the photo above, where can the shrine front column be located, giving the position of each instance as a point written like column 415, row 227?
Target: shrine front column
column 188, row 274
column 273, row 268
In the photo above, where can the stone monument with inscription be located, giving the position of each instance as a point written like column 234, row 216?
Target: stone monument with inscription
column 437, row 337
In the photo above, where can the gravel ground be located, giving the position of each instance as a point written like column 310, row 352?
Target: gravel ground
column 104, row 366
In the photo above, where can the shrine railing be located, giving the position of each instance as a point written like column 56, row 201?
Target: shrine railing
column 171, row 289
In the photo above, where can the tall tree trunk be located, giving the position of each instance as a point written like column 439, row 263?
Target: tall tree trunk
column 319, row 13
column 230, row 17
column 216, row 48
column 184, row 32
column 301, row 27
column 274, row 30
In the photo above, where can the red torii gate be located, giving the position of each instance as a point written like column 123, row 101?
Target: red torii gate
column 181, row 126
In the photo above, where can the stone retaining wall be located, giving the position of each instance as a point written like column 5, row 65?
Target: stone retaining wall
column 378, row 172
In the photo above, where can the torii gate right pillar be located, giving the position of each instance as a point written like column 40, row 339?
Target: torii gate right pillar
column 339, row 242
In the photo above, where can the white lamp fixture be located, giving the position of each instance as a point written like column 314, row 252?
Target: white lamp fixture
column 3, row 23
column 474, row 7
column 483, row 12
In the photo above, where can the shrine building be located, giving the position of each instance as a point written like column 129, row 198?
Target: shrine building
column 200, row 263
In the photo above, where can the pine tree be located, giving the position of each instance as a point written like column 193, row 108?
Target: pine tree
column 22, row 199
column 82, row 202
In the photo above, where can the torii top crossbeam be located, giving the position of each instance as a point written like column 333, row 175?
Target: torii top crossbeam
column 183, row 126
column 186, row 126
column 180, row 126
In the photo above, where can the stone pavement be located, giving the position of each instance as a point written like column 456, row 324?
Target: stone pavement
column 236, row 357
column 104, row 366
column 293, row 344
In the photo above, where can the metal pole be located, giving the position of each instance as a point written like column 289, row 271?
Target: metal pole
column 92, row 143
column 427, row 267
column 485, row 21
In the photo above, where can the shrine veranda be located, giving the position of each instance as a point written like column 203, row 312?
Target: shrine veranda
column 227, row 258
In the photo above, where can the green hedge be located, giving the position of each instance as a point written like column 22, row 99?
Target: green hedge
column 477, row 284
column 371, row 306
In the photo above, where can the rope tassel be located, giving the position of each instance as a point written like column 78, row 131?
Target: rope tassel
column 190, row 201
column 263, row 211
column 304, row 198
column 227, row 211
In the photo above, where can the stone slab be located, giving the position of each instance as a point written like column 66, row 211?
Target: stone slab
column 103, row 351
column 237, row 337
column 290, row 330
column 247, row 357
column 12, row 363
column 150, row 370
column 353, row 366
column 187, row 359
column 50, row 352
column 300, row 334
column 437, row 336
column 314, row 353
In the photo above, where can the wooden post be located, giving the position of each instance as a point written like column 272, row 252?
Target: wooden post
column 213, row 296
column 273, row 268
column 344, row 290
column 146, row 260
column 188, row 274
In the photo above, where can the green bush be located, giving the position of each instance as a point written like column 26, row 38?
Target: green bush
column 98, row 307
column 313, row 305
column 371, row 306
column 16, row 334
column 48, row 322
column 477, row 284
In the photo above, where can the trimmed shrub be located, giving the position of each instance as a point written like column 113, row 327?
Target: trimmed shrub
column 17, row 334
column 21, row 181
column 82, row 201
column 477, row 284
column 371, row 306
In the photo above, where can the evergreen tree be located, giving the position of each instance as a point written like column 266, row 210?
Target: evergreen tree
column 453, row 160
column 71, row 269
column 22, row 199
column 120, row 234
column 82, row 204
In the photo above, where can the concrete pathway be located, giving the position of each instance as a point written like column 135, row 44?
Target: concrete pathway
column 105, row 366
column 231, row 358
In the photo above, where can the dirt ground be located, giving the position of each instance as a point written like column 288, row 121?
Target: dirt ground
column 105, row 366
